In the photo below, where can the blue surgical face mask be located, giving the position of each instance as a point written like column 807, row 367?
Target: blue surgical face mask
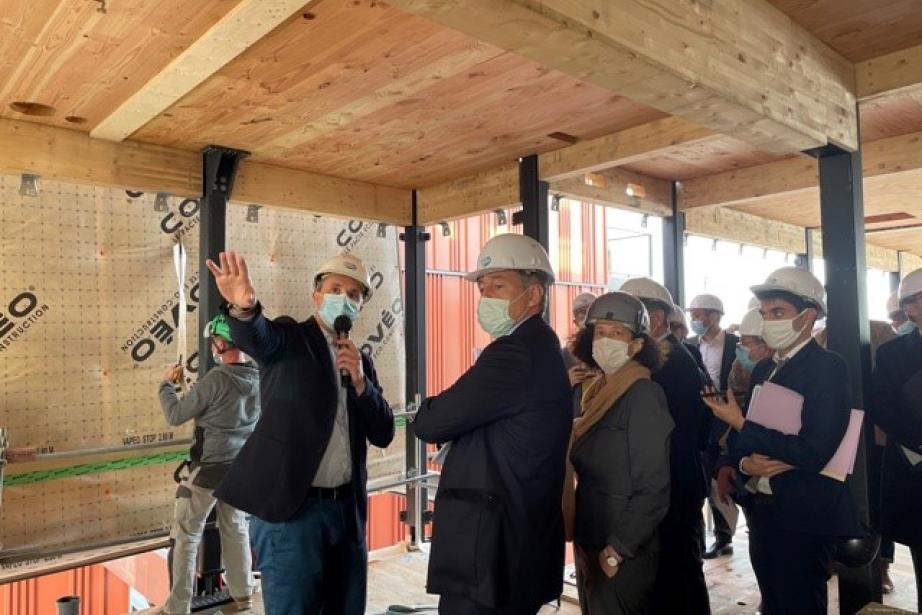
column 699, row 327
column 337, row 305
column 906, row 328
column 745, row 359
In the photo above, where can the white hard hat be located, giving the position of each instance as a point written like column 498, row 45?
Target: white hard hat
column 678, row 316
column 893, row 303
column 911, row 285
column 795, row 281
column 751, row 323
column 512, row 251
column 347, row 265
column 707, row 302
column 583, row 301
column 753, row 303
column 645, row 288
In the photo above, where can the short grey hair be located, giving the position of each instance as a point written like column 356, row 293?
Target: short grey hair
column 530, row 277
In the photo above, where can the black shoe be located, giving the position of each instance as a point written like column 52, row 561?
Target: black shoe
column 718, row 549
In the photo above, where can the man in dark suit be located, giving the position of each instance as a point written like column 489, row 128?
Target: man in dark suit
column 301, row 475
column 796, row 515
column 680, row 585
column 718, row 351
column 498, row 544
column 896, row 407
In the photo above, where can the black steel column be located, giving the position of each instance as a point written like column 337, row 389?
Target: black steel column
column 414, row 309
column 896, row 276
column 219, row 169
column 674, row 250
column 808, row 249
column 842, row 209
column 533, row 194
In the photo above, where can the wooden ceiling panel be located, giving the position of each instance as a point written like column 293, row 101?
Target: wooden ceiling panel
column 885, row 194
column 84, row 58
column 387, row 97
column 892, row 115
column 705, row 158
column 859, row 29
column 506, row 108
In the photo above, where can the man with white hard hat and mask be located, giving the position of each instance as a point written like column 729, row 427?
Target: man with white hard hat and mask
column 301, row 474
column 718, row 351
column 680, row 585
column 901, row 323
column 498, row 543
column 796, row 515
column 895, row 407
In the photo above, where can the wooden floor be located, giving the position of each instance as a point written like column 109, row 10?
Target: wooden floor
column 396, row 576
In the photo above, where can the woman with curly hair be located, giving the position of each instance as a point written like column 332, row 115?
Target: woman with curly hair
column 619, row 456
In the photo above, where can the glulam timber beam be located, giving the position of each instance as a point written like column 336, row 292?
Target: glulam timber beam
column 893, row 73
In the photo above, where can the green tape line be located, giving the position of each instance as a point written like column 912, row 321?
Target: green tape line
column 125, row 463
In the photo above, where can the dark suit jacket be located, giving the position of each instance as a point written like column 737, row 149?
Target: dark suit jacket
column 804, row 500
column 726, row 361
column 498, row 528
column 896, row 407
column 273, row 472
column 623, row 469
column 682, row 382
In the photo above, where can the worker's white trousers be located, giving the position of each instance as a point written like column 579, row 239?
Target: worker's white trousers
column 193, row 505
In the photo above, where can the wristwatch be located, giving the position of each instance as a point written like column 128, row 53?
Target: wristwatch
column 612, row 561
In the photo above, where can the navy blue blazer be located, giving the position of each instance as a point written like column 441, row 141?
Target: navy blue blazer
column 272, row 474
column 896, row 407
column 804, row 500
column 498, row 528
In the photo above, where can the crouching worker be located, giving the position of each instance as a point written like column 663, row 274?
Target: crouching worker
column 225, row 407
column 620, row 454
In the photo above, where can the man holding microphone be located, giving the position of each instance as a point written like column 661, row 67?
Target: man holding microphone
column 302, row 474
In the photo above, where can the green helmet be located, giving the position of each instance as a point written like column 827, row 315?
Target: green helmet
column 218, row 326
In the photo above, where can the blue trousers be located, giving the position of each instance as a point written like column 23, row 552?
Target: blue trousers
column 315, row 563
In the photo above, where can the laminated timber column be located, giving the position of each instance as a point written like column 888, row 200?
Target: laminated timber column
column 414, row 239
column 674, row 250
column 842, row 211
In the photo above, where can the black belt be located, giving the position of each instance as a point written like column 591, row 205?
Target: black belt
column 330, row 493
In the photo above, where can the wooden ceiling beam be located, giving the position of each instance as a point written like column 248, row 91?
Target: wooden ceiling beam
column 459, row 198
column 656, row 199
column 743, row 69
column 244, row 25
column 900, row 154
column 71, row 156
column 893, row 73
column 654, row 138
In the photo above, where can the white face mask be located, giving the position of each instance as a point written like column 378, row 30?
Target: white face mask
column 493, row 315
column 611, row 355
column 781, row 334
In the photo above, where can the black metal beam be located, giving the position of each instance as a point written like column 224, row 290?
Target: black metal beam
column 809, row 252
column 414, row 309
column 674, row 250
column 219, row 169
column 842, row 211
column 535, row 207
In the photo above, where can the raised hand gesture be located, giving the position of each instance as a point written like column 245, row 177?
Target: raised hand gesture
column 233, row 279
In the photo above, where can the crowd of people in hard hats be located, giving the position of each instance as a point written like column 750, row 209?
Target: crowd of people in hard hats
column 616, row 443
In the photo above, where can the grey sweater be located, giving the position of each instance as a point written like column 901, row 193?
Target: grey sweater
column 225, row 406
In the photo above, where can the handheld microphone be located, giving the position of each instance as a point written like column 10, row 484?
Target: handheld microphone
column 343, row 325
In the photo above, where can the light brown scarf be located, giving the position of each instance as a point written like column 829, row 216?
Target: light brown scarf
column 599, row 397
